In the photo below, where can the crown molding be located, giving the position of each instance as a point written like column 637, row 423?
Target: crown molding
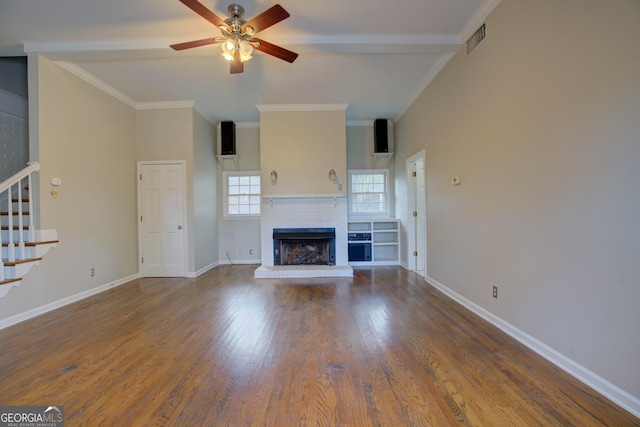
column 426, row 81
column 110, row 90
column 350, row 123
column 93, row 80
column 472, row 25
column 302, row 107
column 366, row 123
column 361, row 43
column 164, row 105
column 243, row 125
column 362, row 123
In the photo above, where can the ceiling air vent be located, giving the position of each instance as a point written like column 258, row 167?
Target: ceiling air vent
column 476, row 38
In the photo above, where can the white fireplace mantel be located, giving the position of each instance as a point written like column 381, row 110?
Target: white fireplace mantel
column 302, row 213
column 303, row 164
column 304, row 196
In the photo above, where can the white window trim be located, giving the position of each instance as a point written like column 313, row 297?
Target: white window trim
column 363, row 215
column 225, row 189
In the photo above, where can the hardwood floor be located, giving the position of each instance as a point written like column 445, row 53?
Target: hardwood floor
column 225, row 349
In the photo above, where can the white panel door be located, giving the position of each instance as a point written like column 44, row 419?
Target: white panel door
column 161, row 202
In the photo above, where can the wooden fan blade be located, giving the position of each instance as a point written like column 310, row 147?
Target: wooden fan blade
column 201, row 10
column 269, row 17
column 237, row 66
column 275, row 50
column 195, row 43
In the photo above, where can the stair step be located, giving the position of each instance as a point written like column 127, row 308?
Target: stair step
column 14, row 200
column 14, row 213
column 4, row 282
column 31, row 244
column 45, row 242
column 15, row 227
column 22, row 261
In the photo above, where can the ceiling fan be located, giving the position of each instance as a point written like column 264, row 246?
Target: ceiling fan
column 238, row 39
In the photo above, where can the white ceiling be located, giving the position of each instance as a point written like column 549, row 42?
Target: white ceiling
column 375, row 55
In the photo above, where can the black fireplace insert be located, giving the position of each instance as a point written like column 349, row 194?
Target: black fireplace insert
column 304, row 246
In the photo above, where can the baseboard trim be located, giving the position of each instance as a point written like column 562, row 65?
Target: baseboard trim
column 582, row 374
column 203, row 270
column 240, row 261
column 18, row 318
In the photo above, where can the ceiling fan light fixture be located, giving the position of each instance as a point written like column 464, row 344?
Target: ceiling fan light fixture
column 245, row 49
column 228, row 48
column 237, row 41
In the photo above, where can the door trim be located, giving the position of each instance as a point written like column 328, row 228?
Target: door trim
column 411, row 202
column 185, row 227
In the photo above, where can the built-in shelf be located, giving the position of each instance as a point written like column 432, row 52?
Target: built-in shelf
column 222, row 157
column 375, row 242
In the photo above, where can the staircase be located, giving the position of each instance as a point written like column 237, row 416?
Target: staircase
column 22, row 245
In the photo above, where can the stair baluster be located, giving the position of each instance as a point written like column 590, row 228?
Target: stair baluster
column 7, row 198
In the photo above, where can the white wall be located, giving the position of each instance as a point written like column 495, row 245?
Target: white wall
column 167, row 134
column 244, row 234
column 541, row 123
column 240, row 234
column 360, row 145
column 302, row 145
column 205, row 196
column 87, row 140
column 360, row 149
column 183, row 134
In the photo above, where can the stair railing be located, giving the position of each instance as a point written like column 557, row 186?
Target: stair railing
column 11, row 191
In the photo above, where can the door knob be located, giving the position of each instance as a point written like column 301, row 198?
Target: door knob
column 179, row 227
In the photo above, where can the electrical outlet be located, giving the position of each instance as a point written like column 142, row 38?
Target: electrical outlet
column 495, row 292
column 250, row 251
column 238, row 252
column 93, row 272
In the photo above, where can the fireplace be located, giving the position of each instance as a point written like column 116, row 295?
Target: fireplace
column 304, row 246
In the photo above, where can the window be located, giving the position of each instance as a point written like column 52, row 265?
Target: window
column 241, row 194
column 368, row 192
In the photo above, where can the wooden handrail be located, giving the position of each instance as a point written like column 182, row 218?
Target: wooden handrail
column 12, row 180
column 6, row 187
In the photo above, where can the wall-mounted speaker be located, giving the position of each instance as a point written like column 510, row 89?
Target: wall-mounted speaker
column 380, row 137
column 227, row 138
